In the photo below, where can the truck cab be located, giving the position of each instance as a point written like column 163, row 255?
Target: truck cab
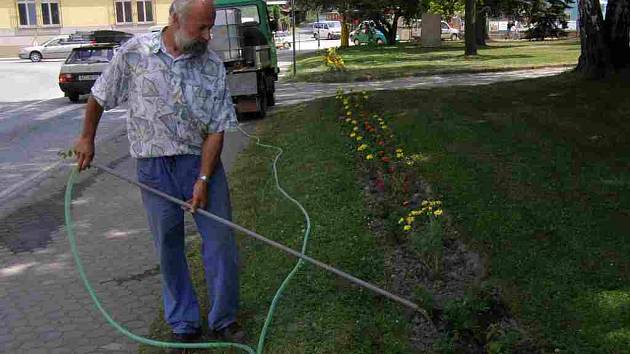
column 243, row 37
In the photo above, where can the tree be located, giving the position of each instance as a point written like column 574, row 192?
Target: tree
column 386, row 14
column 605, row 44
column 617, row 26
column 594, row 56
column 446, row 8
column 470, row 28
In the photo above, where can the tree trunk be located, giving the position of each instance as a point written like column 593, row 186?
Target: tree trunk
column 471, row 42
column 618, row 32
column 391, row 38
column 481, row 27
column 595, row 55
column 345, row 32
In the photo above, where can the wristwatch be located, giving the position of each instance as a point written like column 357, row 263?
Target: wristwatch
column 204, row 178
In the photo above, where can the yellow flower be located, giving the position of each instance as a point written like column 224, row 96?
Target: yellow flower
column 355, row 128
column 353, row 135
column 409, row 163
column 410, row 220
column 348, row 120
column 416, row 213
column 355, row 122
column 369, row 157
column 399, row 151
column 407, row 228
column 349, row 113
column 359, row 138
column 400, row 155
column 438, row 212
column 402, row 220
column 425, row 203
column 384, row 126
column 362, row 147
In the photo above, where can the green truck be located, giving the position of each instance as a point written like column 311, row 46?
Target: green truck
column 243, row 38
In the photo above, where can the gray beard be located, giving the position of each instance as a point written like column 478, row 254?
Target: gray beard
column 190, row 46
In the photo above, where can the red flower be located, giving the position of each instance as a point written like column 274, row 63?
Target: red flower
column 381, row 153
column 381, row 143
column 385, row 159
column 391, row 170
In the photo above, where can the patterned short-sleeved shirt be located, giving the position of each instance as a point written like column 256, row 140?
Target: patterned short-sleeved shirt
column 173, row 103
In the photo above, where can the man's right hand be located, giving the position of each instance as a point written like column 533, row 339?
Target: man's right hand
column 84, row 149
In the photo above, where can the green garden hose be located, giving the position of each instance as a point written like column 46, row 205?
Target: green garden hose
column 301, row 256
column 156, row 343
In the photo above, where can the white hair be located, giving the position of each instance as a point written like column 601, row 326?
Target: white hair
column 181, row 8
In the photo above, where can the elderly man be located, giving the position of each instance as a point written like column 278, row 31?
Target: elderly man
column 179, row 107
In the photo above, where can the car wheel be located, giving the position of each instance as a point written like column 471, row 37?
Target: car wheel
column 286, row 45
column 73, row 97
column 454, row 37
column 330, row 36
column 35, row 57
column 356, row 42
column 380, row 42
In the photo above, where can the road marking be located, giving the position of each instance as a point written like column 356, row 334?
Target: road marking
column 59, row 111
column 23, row 108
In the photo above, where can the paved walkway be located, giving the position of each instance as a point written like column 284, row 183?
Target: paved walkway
column 297, row 92
column 44, row 307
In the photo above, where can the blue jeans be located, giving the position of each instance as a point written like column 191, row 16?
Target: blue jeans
column 176, row 176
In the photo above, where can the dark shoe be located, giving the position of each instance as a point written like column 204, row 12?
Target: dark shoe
column 231, row 333
column 184, row 338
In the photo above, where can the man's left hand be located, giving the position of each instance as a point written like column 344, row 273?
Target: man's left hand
column 200, row 196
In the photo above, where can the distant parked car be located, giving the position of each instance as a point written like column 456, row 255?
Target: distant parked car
column 327, row 29
column 361, row 36
column 83, row 67
column 282, row 40
column 157, row 28
column 56, row 48
column 449, row 32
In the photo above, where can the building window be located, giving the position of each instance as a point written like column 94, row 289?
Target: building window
column 145, row 10
column 27, row 12
column 50, row 12
column 123, row 11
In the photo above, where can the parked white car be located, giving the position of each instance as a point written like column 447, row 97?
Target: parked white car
column 449, row 32
column 84, row 65
column 327, row 30
column 56, row 48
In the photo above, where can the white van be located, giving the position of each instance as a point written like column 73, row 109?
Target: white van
column 327, row 30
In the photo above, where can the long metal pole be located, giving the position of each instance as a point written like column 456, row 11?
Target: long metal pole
column 293, row 25
column 275, row 244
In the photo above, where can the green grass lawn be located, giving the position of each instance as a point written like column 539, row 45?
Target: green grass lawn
column 405, row 59
column 534, row 174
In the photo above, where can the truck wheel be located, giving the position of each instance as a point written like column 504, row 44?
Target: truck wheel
column 454, row 37
column 271, row 97
column 262, row 106
column 356, row 42
column 380, row 42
